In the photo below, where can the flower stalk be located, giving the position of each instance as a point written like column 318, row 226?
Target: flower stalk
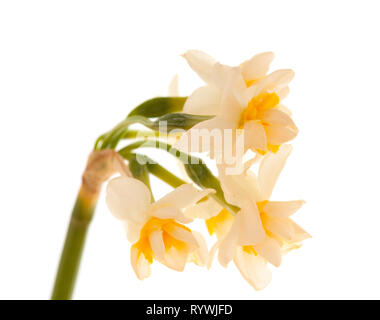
column 75, row 239
column 100, row 167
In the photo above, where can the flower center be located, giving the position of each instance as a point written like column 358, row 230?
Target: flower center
column 154, row 224
column 257, row 105
column 249, row 250
column 220, row 223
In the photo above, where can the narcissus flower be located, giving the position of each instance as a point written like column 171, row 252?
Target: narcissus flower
column 262, row 230
column 157, row 229
column 242, row 97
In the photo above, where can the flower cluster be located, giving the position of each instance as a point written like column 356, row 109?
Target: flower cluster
column 251, row 229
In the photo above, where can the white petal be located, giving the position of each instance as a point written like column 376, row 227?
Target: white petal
column 157, row 245
column 257, row 67
column 128, row 199
column 183, row 196
column 221, row 74
column 277, row 134
column 133, row 231
column 203, row 101
column 276, row 80
column 239, row 188
column 212, row 253
column 299, row 233
column 183, row 235
column 270, row 169
column 205, row 136
column 282, row 209
column 283, row 93
column 200, row 256
column 140, row 265
column 251, row 230
column 280, row 227
column 176, row 259
column 284, row 109
column 205, row 209
column 168, row 212
column 253, row 268
column 228, row 245
column 173, row 87
column 234, row 95
column 273, row 82
column 277, row 117
column 270, row 250
column 281, row 77
column 255, row 136
column 201, row 63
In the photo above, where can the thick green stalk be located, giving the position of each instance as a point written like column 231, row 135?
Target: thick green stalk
column 100, row 167
column 72, row 251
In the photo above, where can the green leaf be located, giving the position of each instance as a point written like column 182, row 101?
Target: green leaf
column 203, row 177
column 174, row 121
column 157, row 107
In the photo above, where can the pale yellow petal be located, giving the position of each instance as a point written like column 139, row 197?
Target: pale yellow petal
column 277, row 134
column 299, row 233
column 253, row 268
column 169, row 212
column 133, row 231
column 234, row 95
column 201, row 63
column 270, row 250
column 176, row 259
column 282, row 209
column 255, row 136
column 203, row 101
column 274, row 82
column 277, row 79
column 128, row 199
column 270, row 169
column 200, row 256
column 229, row 244
column 183, row 235
column 173, row 87
column 257, row 67
column 212, row 253
column 204, row 209
column 282, row 92
column 251, row 229
column 140, row 265
column 221, row 74
column 238, row 188
column 280, row 227
column 277, row 117
column 183, row 196
column 157, row 244
column 206, row 136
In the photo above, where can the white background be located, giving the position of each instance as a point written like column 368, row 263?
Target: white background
column 70, row 70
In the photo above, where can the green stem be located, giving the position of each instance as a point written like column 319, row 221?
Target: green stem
column 133, row 134
column 195, row 168
column 165, row 175
column 73, row 247
column 110, row 139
